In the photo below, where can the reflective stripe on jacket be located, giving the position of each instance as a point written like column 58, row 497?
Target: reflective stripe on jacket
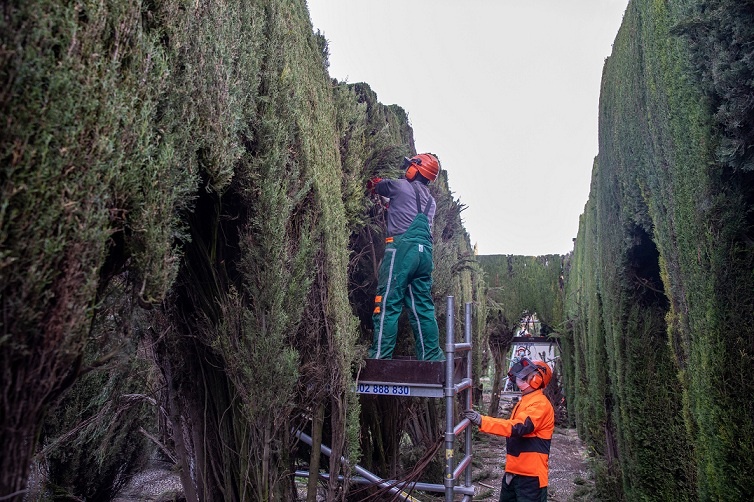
column 529, row 432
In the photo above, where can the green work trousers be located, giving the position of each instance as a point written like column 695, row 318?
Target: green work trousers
column 406, row 279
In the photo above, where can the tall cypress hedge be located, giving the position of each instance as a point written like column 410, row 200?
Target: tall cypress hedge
column 90, row 189
column 662, row 262
column 197, row 158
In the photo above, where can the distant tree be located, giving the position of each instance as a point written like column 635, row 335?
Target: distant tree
column 518, row 285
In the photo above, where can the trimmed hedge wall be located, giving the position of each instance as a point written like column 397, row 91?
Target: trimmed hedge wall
column 660, row 287
column 195, row 160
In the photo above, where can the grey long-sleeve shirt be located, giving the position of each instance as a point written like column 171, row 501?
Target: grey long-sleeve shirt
column 402, row 209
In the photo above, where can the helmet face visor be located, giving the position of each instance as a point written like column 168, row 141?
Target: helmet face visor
column 522, row 369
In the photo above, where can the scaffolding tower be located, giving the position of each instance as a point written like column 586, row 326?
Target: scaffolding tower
column 434, row 379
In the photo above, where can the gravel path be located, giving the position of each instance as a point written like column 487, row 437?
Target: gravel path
column 569, row 473
column 157, row 483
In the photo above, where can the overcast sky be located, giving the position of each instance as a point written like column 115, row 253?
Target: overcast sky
column 505, row 92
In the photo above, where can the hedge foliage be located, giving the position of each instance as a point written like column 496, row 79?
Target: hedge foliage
column 89, row 188
column 660, row 284
column 197, row 156
column 526, row 283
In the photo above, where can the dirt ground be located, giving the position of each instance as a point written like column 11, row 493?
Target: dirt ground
column 157, row 483
column 570, row 479
column 569, row 476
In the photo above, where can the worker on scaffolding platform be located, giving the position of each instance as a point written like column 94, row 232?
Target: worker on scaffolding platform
column 528, row 433
column 406, row 268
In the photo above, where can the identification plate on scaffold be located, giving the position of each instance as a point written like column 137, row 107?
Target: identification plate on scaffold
column 383, row 389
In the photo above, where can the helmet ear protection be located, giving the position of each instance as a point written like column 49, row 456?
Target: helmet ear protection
column 536, row 379
column 425, row 164
column 543, row 375
column 411, row 169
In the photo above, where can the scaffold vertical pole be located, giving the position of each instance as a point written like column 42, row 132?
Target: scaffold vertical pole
column 468, row 398
column 449, row 395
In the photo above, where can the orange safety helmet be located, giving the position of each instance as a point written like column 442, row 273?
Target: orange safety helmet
column 543, row 376
column 425, row 164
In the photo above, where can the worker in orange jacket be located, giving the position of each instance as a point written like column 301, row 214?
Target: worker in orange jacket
column 528, row 433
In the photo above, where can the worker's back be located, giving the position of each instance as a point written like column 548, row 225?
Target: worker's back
column 402, row 208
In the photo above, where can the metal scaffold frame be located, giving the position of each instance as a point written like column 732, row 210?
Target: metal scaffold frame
column 424, row 379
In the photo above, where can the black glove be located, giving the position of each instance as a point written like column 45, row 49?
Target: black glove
column 473, row 416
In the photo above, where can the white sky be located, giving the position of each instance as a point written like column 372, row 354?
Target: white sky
column 505, row 92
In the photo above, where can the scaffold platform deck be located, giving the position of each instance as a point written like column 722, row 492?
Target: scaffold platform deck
column 407, row 377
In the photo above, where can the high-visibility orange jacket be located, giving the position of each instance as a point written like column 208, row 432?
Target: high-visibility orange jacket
column 528, row 433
